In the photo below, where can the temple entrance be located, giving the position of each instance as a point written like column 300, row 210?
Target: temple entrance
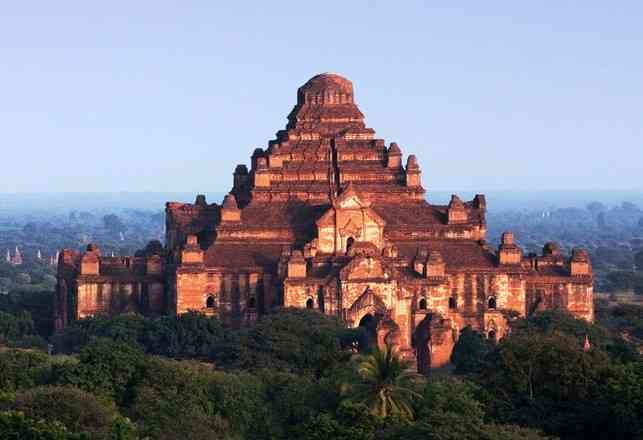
column 421, row 342
column 369, row 324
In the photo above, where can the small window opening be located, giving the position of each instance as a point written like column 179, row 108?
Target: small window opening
column 349, row 243
column 492, row 303
column 492, row 335
column 452, row 303
column 210, row 303
column 422, row 304
column 252, row 302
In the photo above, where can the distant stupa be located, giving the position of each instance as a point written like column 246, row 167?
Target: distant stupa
column 17, row 258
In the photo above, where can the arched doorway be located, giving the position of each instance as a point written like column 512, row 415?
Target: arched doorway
column 310, row 303
column 421, row 342
column 369, row 324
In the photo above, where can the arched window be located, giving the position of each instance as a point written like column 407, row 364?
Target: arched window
column 349, row 243
column 252, row 302
column 422, row 304
column 452, row 303
column 492, row 303
column 210, row 303
column 310, row 303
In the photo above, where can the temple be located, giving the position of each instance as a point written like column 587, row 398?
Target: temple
column 330, row 218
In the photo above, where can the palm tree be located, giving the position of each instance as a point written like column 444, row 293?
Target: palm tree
column 386, row 384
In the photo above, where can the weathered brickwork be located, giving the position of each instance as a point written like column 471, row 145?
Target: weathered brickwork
column 328, row 217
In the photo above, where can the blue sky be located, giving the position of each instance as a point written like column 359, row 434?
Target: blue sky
column 169, row 96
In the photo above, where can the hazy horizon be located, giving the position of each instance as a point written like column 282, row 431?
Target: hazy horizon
column 48, row 204
column 144, row 96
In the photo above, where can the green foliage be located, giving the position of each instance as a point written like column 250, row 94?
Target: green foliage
column 30, row 342
column 15, row 425
column 554, row 321
column 172, row 401
column 351, row 422
column 451, row 410
column 190, row 335
column 20, row 370
column 293, row 399
column 386, row 384
column 628, row 318
column 546, row 380
column 625, row 280
column 293, row 374
column 469, row 352
column 32, row 305
column 240, row 398
column 15, row 326
column 128, row 329
column 77, row 410
column 450, row 396
column 297, row 340
column 106, row 368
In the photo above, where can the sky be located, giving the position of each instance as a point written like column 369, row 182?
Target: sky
column 170, row 96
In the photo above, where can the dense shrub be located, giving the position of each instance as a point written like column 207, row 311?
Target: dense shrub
column 77, row 410
column 547, row 380
column 106, row 368
column 20, row 370
column 469, row 352
column 297, row 340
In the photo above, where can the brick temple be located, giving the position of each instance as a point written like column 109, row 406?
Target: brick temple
column 330, row 218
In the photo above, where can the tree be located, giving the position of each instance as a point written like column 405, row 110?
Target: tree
column 23, row 278
column 596, row 207
column 546, row 380
column 600, row 220
column 15, row 425
column 385, row 384
column 114, row 224
column 350, row 422
column 557, row 322
column 77, row 410
column 30, row 229
column 240, row 397
column 451, row 409
column 20, row 370
column 638, row 260
column 295, row 340
column 190, row 336
column 629, row 206
column 15, row 326
column 172, row 401
column 469, row 352
column 106, row 368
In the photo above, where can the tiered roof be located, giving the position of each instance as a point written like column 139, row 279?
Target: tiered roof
column 325, row 148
